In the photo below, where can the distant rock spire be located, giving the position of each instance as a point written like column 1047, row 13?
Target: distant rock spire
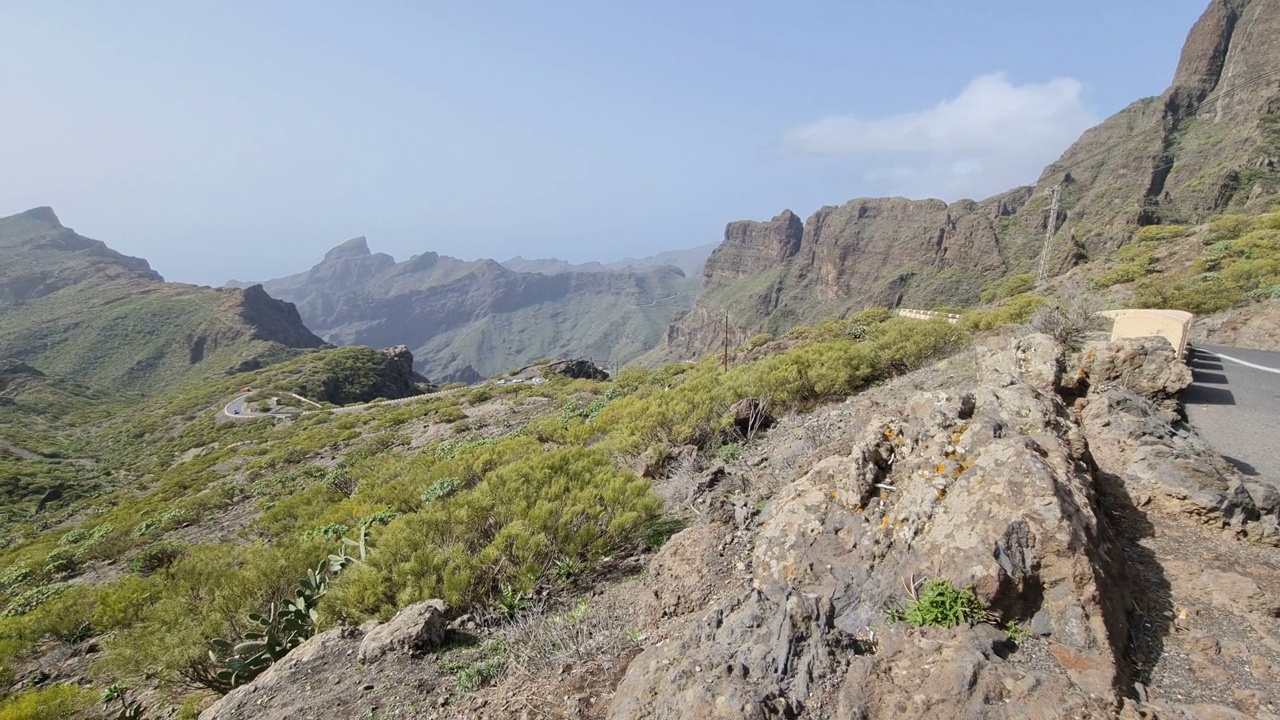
column 353, row 248
column 43, row 214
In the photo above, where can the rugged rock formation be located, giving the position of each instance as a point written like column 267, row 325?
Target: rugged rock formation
column 579, row 369
column 993, row 485
column 1208, row 144
column 455, row 314
column 74, row 308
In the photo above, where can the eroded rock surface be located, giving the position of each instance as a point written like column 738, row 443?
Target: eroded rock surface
column 993, row 485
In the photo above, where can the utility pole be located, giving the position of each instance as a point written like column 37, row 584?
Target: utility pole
column 726, row 341
column 1049, row 232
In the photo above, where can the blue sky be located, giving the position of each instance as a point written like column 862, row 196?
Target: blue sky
column 243, row 139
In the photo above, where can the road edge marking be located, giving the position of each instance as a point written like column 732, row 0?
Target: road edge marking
column 1238, row 361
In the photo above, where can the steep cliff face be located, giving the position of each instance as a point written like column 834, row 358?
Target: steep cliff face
column 72, row 307
column 1208, row 144
column 469, row 319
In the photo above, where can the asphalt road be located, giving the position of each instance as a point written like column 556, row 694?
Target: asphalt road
column 1234, row 403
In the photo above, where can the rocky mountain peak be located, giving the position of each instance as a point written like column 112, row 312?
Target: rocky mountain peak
column 354, row 248
column 42, row 214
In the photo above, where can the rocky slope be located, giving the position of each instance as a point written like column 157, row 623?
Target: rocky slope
column 1124, row 569
column 72, row 307
column 465, row 320
column 1209, row 144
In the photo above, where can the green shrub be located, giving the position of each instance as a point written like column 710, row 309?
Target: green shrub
column 940, row 604
column 729, row 452
column 56, row 702
column 1015, row 311
column 503, row 532
column 1010, row 286
column 759, row 339
column 156, row 557
column 332, row 531
column 442, row 488
column 1228, row 227
column 33, row 598
column 1160, row 233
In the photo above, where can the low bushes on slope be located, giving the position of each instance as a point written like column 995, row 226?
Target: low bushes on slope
column 518, row 505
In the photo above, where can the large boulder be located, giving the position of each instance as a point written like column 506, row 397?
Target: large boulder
column 414, row 630
column 1148, row 366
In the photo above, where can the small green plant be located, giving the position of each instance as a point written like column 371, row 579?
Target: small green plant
column 729, row 452
column 474, row 675
column 440, row 489
column 939, row 604
column 332, row 531
column 115, row 699
column 577, row 614
column 34, row 598
column 1017, row 632
column 382, row 517
column 510, row 602
column 280, row 630
column 636, row 637
column 565, row 569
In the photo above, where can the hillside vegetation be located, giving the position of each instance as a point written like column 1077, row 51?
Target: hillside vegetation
column 484, row 497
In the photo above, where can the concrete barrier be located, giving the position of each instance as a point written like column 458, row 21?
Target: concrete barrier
column 927, row 315
column 1172, row 325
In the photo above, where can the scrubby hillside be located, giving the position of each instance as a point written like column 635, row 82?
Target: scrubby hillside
column 496, row 498
column 75, row 309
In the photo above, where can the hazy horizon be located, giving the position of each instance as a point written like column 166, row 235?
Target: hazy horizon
column 243, row 141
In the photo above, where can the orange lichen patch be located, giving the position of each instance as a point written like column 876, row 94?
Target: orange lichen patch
column 942, row 467
column 888, row 432
column 884, row 495
column 857, row 507
column 884, row 523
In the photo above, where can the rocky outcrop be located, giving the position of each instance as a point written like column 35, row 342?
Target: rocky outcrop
column 1016, row 485
column 1136, row 436
column 398, row 376
column 579, row 369
column 275, row 320
column 336, row 673
column 985, row 487
column 751, row 248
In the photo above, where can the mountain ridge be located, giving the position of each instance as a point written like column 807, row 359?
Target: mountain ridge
column 473, row 318
column 72, row 307
column 1209, row 144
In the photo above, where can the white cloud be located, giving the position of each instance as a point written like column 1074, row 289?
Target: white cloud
column 991, row 137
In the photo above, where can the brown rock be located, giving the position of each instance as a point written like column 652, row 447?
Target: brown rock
column 750, row 416
column 414, row 630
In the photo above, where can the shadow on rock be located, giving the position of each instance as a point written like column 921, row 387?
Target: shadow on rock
column 1151, row 611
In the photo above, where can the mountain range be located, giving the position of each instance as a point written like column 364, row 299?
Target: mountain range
column 465, row 320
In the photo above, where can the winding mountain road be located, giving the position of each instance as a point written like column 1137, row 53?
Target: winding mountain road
column 1234, row 403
